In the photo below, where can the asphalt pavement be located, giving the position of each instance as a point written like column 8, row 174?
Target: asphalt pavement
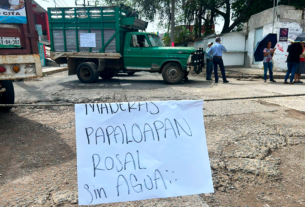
column 256, row 145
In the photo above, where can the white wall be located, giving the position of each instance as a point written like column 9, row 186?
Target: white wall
column 234, row 43
column 287, row 17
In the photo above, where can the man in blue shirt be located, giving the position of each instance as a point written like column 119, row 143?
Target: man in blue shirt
column 209, row 61
column 216, row 51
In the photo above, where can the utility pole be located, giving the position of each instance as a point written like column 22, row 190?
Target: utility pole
column 173, row 24
column 84, row 5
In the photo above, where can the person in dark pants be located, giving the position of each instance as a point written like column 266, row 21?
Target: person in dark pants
column 216, row 51
column 295, row 50
column 268, row 54
column 209, row 61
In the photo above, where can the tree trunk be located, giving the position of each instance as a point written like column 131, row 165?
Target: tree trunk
column 195, row 27
column 240, row 18
column 212, row 21
column 226, row 17
column 200, row 21
column 173, row 23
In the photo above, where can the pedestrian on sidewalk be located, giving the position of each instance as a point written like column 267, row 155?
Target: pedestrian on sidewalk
column 216, row 51
column 301, row 68
column 209, row 60
column 295, row 50
column 268, row 54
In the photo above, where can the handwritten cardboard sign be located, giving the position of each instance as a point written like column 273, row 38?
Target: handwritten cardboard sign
column 141, row 150
column 87, row 40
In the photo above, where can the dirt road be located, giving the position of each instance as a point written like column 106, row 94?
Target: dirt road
column 256, row 147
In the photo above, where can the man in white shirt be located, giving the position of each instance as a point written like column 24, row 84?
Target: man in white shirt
column 209, row 61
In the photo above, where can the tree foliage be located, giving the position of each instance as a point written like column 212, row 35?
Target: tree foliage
column 201, row 13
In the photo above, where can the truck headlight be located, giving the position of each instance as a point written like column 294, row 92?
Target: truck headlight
column 189, row 60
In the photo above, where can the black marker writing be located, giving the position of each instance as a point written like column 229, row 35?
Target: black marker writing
column 96, row 165
column 118, row 184
column 166, row 128
column 87, row 188
column 151, row 182
column 134, row 186
column 134, row 164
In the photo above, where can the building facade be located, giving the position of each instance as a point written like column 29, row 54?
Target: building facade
column 285, row 19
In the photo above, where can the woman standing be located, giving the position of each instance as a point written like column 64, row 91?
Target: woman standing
column 301, row 67
column 268, row 54
column 293, row 61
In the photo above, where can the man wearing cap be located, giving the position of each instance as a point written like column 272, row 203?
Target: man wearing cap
column 209, row 61
column 216, row 51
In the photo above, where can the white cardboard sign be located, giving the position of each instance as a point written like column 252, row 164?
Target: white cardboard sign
column 141, row 150
column 87, row 40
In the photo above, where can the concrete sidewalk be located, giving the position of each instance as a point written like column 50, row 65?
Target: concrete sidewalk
column 253, row 73
column 49, row 70
column 230, row 72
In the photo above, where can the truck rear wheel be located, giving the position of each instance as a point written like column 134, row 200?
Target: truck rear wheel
column 107, row 75
column 172, row 73
column 130, row 73
column 87, row 72
column 7, row 97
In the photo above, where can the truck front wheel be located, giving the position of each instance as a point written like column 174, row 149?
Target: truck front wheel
column 7, row 97
column 107, row 75
column 172, row 73
column 87, row 72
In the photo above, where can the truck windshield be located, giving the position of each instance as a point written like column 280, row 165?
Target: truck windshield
column 156, row 41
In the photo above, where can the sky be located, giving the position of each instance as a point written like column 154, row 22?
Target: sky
column 152, row 26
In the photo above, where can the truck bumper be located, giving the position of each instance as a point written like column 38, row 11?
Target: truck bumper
column 30, row 66
column 197, row 61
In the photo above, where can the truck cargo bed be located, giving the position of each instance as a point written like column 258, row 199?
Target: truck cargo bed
column 55, row 55
column 106, row 27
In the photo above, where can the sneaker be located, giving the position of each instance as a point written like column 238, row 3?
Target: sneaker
column 300, row 82
column 209, row 79
column 273, row 81
column 285, row 82
column 216, row 81
column 291, row 83
column 225, row 81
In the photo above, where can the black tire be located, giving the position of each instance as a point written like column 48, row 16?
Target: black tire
column 172, row 73
column 8, row 97
column 130, row 73
column 186, row 76
column 87, row 72
column 107, row 75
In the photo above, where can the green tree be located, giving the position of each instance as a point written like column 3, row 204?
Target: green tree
column 257, row 6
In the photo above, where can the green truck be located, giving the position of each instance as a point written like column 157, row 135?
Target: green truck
column 100, row 41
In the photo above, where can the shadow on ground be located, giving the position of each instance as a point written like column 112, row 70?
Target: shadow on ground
column 27, row 146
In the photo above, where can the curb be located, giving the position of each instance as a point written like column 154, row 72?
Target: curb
column 248, row 76
column 55, row 71
column 255, row 76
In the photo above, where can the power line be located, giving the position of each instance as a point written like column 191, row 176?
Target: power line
column 57, row 3
column 64, row 3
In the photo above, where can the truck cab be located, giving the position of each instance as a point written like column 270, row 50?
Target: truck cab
column 155, row 57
